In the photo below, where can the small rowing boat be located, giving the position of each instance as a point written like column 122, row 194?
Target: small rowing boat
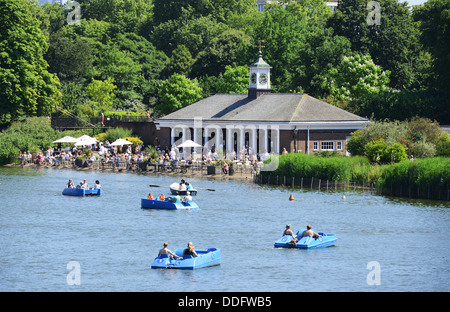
column 209, row 257
column 166, row 204
column 307, row 242
column 82, row 192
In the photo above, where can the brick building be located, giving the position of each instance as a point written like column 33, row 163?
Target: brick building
column 261, row 120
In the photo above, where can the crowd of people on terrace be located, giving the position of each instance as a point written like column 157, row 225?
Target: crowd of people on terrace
column 106, row 153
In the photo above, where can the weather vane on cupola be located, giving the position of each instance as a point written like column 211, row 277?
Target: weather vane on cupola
column 260, row 46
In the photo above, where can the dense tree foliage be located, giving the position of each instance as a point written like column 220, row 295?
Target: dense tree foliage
column 26, row 87
column 143, row 47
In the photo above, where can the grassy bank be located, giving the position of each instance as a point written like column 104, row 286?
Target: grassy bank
column 430, row 176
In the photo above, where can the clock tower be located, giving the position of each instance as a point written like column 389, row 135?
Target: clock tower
column 259, row 82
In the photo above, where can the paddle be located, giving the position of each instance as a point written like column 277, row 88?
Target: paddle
column 197, row 188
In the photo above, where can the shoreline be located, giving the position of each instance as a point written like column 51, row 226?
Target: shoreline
column 244, row 177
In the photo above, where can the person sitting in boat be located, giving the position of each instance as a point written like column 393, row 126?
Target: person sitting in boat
column 189, row 251
column 309, row 233
column 161, row 197
column 166, row 251
column 182, row 186
column 176, row 198
column 82, row 186
column 70, row 184
column 288, row 231
column 97, row 184
column 86, row 185
column 188, row 186
column 187, row 198
column 150, row 196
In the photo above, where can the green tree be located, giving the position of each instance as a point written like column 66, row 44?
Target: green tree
column 298, row 45
column 101, row 95
column 393, row 43
column 434, row 19
column 389, row 132
column 26, row 87
column 69, row 59
column 181, row 61
column 123, row 15
column 220, row 11
column 74, row 96
column 356, row 76
column 32, row 134
column 235, row 80
column 223, row 50
column 178, row 92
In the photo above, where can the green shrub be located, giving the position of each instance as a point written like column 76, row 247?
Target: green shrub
column 32, row 135
column 117, row 133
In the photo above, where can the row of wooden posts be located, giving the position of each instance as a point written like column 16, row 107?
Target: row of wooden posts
column 312, row 183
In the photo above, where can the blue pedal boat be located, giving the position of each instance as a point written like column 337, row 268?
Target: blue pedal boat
column 165, row 204
column 206, row 258
column 82, row 192
column 325, row 240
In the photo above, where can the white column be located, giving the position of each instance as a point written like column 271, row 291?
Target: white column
column 254, row 143
column 206, row 140
column 218, row 135
column 195, row 134
column 229, row 138
column 183, row 138
column 172, row 136
column 242, row 138
column 277, row 146
column 264, row 137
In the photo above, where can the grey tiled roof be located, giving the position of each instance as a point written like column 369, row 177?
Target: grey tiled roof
column 275, row 107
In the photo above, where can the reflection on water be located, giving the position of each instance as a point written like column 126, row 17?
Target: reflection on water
column 115, row 241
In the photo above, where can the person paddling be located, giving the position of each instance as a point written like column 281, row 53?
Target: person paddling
column 309, row 233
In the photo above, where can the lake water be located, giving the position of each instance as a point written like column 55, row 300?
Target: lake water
column 384, row 244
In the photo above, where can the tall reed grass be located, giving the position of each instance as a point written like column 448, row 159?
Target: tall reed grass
column 420, row 173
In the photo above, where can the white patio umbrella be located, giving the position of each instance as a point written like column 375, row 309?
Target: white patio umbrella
column 86, row 137
column 120, row 142
column 90, row 141
column 189, row 143
column 66, row 139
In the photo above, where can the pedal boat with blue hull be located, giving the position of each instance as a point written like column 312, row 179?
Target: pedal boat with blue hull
column 205, row 258
column 82, row 192
column 324, row 240
column 168, row 205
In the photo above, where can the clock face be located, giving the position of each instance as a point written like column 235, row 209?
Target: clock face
column 253, row 78
column 263, row 78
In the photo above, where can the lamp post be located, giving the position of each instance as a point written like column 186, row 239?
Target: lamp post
column 93, row 115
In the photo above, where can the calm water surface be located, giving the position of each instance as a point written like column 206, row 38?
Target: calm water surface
column 114, row 240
